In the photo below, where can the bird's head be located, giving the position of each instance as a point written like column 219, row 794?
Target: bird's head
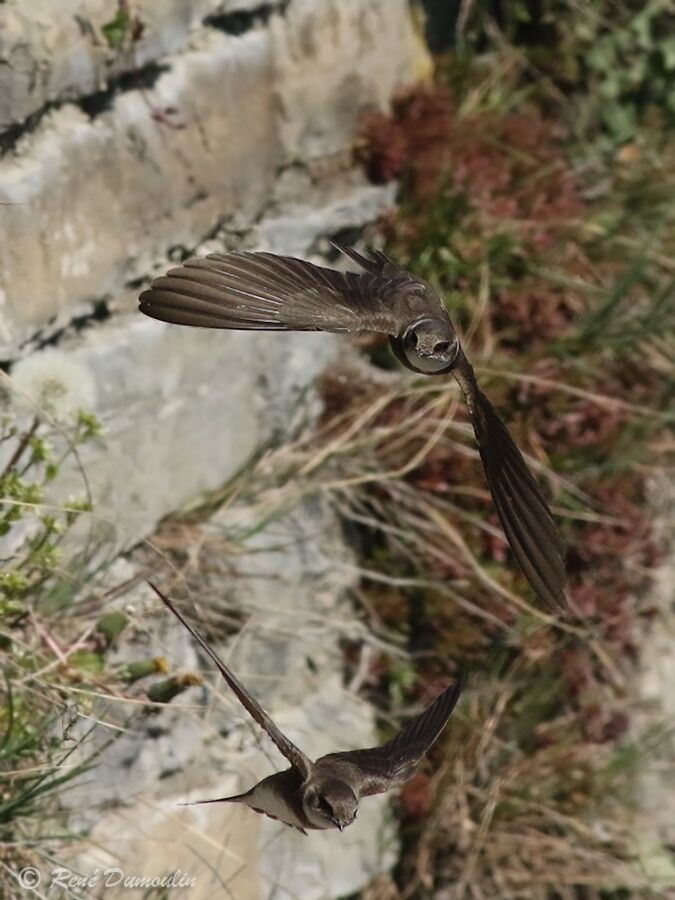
column 429, row 346
column 330, row 803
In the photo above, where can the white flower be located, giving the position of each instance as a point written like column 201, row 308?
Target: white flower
column 56, row 383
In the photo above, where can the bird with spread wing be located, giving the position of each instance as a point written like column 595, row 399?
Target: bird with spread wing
column 326, row 793
column 263, row 291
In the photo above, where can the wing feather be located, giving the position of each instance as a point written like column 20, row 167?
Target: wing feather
column 524, row 514
column 263, row 290
column 292, row 753
column 378, row 769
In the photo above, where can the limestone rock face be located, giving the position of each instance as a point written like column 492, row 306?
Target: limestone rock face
column 56, row 52
column 655, row 792
column 256, row 147
column 131, row 135
column 184, row 408
column 102, row 192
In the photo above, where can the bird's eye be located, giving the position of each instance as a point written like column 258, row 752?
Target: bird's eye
column 441, row 346
column 412, row 339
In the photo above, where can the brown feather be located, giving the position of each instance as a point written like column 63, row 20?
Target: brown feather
column 269, row 292
column 527, row 521
column 292, row 753
column 377, row 769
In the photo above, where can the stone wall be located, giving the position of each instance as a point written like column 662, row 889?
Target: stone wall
column 106, row 188
column 233, row 139
column 197, row 124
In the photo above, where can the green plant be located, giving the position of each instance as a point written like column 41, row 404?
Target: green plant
column 32, row 528
column 124, row 29
column 629, row 57
column 48, row 659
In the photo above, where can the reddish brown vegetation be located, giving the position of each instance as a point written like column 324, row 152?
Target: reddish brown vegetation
column 489, row 159
column 491, row 207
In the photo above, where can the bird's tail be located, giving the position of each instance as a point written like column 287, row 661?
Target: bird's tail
column 376, row 264
column 236, row 798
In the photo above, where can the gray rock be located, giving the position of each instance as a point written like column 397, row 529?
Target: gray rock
column 334, row 59
column 55, row 52
column 98, row 201
column 297, row 229
column 240, row 141
column 655, row 792
column 183, row 409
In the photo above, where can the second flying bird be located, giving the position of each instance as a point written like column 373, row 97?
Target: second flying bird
column 325, row 793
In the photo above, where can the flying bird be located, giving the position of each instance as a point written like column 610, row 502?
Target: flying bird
column 265, row 292
column 326, row 793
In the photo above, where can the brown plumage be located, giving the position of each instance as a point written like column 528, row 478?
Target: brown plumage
column 263, row 291
column 326, row 793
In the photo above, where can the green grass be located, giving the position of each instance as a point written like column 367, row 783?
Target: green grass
column 56, row 631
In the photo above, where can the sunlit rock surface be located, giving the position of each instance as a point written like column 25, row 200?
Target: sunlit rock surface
column 196, row 126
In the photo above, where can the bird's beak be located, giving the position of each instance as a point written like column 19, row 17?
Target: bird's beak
column 341, row 826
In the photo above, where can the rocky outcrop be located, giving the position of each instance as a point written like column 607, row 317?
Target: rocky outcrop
column 103, row 189
column 135, row 134
column 54, row 53
column 241, row 139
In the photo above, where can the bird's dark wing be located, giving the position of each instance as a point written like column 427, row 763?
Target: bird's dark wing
column 293, row 754
column 378, row 769
column 523, row 512
column 266, row 292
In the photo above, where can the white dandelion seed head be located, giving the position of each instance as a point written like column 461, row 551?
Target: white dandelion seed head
column 56, row 383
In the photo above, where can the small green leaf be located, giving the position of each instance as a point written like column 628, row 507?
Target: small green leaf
column 116, row 30
column 165, row 691
column 87, row 660
column 144, row 667
column 89, row 426
column 111, row 625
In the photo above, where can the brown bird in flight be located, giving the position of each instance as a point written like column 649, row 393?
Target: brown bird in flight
column 263, row 291
column 326, row 793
